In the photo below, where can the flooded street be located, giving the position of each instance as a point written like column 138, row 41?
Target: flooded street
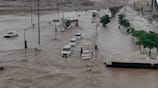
column 47, row 69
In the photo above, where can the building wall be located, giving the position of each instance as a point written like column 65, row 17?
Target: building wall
column 147, row 5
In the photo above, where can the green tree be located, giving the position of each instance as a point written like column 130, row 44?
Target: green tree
column 130, row 30
column 105, row 20
column 121, row 16
column 124, row 22
column 154, row 37
column 138, row 34
column 147, row 39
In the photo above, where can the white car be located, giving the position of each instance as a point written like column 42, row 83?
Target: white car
column 10, row 34
column 95, row 14
column 73, row 42
column 86, row 55
column 78, row 35
column 67, row 50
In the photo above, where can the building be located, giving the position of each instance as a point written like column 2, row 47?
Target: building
column 146, row 5
column 49, row 3
column 149, row 7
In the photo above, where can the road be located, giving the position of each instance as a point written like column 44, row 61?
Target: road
column 47, row 69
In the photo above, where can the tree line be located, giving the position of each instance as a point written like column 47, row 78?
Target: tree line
column 143, row 38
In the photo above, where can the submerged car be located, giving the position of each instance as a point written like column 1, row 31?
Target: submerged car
column 73, row 42
column 10, row 34
column 86, row 54
column 78, row 35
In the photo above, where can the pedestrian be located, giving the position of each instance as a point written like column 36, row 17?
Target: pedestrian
column 119, row 27
column 1, row 68
column 26, row 44
column 96, row 48
column 33, row 26
column 81, row 51
column 77, row 23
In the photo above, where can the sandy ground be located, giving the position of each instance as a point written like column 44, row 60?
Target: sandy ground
column 47, row 69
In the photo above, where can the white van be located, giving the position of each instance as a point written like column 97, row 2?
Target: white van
column 67, row 50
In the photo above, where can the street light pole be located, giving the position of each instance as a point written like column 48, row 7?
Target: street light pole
column 63, row 12
column 39, row 40
column 55, row 21
column 153, row 9
column 55, row 31
column 96, row 46
column 25, row 41
column 95, row 50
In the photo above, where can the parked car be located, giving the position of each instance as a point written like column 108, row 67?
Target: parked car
column 78, row 35
column 10, row 34
column 67, row 50
column 73, row 41
column 86, row 54
column 95, row 14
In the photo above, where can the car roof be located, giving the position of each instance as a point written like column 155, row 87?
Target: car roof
column 73, row 39
column 86, row 50
column 11, row 32
column 67, row 46
column 78, row 34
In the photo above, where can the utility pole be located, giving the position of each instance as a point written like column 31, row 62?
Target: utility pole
column 31, row 13
column 58, row 9
column 134, row 4
column 153, row 9
column 95, row 52
column 125, row 5
column 38, row 10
